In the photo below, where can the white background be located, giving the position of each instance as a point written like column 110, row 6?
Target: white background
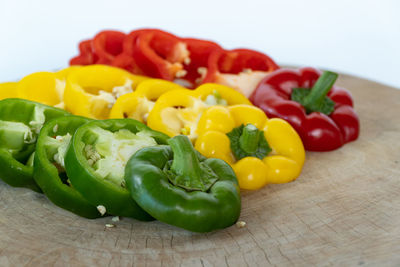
column 356, row 37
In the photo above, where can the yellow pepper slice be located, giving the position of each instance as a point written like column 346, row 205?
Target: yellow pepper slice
column 137, row 105
column 178, row 112
column 281, row 165
column 91, row 91
column 44, row 87
column 8, row 90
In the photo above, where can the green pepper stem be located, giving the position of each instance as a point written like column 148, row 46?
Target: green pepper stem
column 320, row 89
column 186, row 162
column 249, row 139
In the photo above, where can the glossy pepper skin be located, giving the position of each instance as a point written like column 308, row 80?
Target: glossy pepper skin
column 46, row 172
column 8, row 90
column 90, row 90
column 319, row 132
column 282, row 164
column 178, row 186
column 95, row 189
column 158, row 54
column 44, row 87
column 177, row 112
column 138, row 104
column 16, row 147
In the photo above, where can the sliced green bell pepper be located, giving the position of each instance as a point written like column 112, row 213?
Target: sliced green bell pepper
column 178, row 186
column 20, row 124
column 96, row 159
column 49, row 168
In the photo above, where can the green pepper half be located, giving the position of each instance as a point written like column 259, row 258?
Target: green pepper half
column 178, row 186
column 20, row 124
column 49, row 168
column 96, row 159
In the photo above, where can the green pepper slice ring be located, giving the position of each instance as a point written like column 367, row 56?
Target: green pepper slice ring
column 48, row 170
column 20, row 124
column 202, row 196
column 95, row 163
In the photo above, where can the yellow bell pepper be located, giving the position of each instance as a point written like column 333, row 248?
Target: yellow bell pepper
column 44, row 87
column 8, row 90
column 137, row 105
column 260, row 150
column 91, row 91
column 178, row 112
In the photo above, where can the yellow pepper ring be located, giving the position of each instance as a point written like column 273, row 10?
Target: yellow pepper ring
column 8, row 90
column 89, row 89
column 231, row 96
column 283, row 164
column 176, row 113
column 137, row 105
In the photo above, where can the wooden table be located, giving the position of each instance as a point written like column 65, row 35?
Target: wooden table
column 343, row 210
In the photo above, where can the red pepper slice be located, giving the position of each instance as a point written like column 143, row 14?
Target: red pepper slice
column 200, row 51
column 107, row 45
column 238, row 61
column 157, row 53
column 86, row 54
column 318, row 131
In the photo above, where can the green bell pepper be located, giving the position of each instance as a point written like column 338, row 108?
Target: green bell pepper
column 178, row 186
column 20, row 124
column 96, row 159
column 49, row 168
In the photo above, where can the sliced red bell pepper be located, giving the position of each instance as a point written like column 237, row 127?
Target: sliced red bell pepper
column 200, row 51
column 157, row 53
column 107, row 45
column 323, row 115
column 226, row 67
column 86, row 54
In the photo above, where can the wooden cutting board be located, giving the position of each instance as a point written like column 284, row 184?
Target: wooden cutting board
column 344, row 209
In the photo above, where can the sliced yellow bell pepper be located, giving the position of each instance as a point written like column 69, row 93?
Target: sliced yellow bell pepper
column 44, row 87
column 91, row 91
column 137, row 105
column 8, row 90
column 178, row 112
column 260, row 150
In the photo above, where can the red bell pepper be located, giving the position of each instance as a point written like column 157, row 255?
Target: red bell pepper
column 157, row 53
column 107, row 45
column 226, row 67
column 320, row 112
column 196, row 67
column 86, row 54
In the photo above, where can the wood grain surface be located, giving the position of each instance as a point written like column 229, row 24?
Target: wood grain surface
column 343, row 210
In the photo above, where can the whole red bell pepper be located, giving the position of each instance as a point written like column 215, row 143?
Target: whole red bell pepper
column 241, row 69
column 320, row 112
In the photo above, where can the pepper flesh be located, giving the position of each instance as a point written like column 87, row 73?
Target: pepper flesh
column 282, row 165
column 8, row 90
column 45, row 87
column 49, row 166
column 241, row 69
column 137, row 105
column 178, row 112
column 318, row 131
column 20, row 123
column 91, row 91
column 96, row 169
column 205, row 195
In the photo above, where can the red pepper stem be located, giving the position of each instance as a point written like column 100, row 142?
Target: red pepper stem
column 320, row 89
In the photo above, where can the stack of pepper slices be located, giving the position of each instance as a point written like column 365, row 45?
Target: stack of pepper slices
column 148, row 125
